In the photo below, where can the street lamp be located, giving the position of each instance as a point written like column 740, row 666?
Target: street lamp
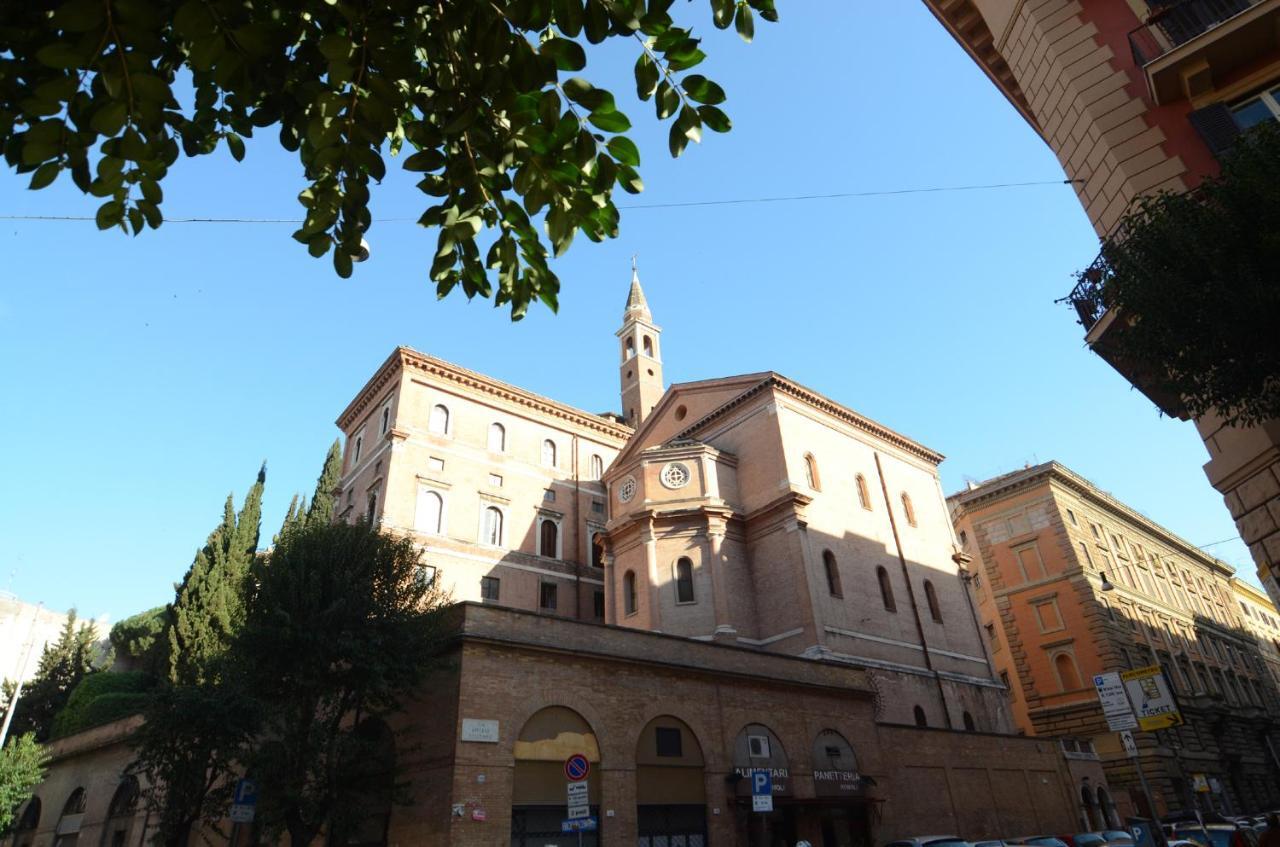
column 1106, row 583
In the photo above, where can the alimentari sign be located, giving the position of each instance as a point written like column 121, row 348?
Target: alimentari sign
column 779, row 776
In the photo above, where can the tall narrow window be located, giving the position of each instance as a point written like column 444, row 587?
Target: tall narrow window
column 921, row 720
column 493, row 526
column 908, row 509
column 489, row 588
column 833, row 573
column 811, row 472
column 684, row 581
column 931, row 596
column 548, row 536
column 439, row 421
column 631, row 347
column 648, row 346
column 886, row 590
column 597, row 550
column 1068, row 676
column 629, row 592
column 497, row 437
column 597, row 467
column 355, row 455
column 549, row 453
column 547, row 596
column 864, row 496
column 372, row 512
column 429, row 512
column 969, row 725
column 386, row 421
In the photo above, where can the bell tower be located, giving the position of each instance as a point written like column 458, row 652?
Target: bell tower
column 641, row 368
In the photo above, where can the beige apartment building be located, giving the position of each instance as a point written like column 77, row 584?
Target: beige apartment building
column 1070, row 583
column 1136, row 97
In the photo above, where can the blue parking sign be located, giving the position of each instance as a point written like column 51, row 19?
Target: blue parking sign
column 761, row 783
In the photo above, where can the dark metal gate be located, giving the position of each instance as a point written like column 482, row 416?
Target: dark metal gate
column 539, row 826
column 672, row 826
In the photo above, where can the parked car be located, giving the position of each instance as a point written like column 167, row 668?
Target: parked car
column 993, row 842
column 930, row 841
column 1100, row 838
column 1220, row 834
column 1038, row 841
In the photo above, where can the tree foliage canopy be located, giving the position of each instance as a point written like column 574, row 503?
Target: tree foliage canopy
column 480, row 92
column 62, row 665
column 22, row 767
column 140, row 640
column 1195, row 275
column 342, row 626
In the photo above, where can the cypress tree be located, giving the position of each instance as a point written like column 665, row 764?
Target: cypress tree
column 209, row 606
column 325, row 497
column 62, row 665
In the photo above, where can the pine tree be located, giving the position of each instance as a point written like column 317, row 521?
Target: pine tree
column 209, row 606
column 325, row 497
column 62, row 665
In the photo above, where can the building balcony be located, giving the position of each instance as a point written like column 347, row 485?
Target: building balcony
column 1104, row 325
column 1185, row 45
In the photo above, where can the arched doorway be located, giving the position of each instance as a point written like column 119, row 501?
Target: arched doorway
column 539, row 803
column 120, row 813
column 758, row 748
column 363, row 816
column 67, row 833
column 843, row 815
column 25, row 831
column 671, row 792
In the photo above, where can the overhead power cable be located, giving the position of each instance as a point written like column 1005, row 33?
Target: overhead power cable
column 676, row 205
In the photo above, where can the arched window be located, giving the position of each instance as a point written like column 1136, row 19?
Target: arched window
column 497, row 437
column 597, row 467
column 811, row 472
column 833, row 573
column 629, row 592
column 371, row 514
column 386, row 420
column 430, row 509
column 631, row 347
column 597, row 550
column 931, row 596
column 549, row 453
column 864, row 496
column 921, row 720
column 908, row 509
column 548, row 536
column 493, row 526
column 886, row 589
column 30, row 820
column 969, row 725
column 439, row 422
column 1065, row 666
column 684, row 580
column 68, row 828
column 648, row 346
column 120, row 812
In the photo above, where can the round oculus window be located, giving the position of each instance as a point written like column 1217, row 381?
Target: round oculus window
column 675, row 475
column 627, row 489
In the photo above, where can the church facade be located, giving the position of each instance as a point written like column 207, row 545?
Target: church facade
column 731, row 577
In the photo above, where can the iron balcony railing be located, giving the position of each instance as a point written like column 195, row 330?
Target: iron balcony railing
column 1175, row 22
column 1088, row 298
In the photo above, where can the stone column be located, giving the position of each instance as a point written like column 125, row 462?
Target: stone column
column 651, row 567
column 725, row 630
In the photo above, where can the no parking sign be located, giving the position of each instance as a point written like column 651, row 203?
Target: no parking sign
column 576, row 767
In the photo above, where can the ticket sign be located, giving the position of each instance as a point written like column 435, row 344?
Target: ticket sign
column 1152, row 701
column 1115, row 704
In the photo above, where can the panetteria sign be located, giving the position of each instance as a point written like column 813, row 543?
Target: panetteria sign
column 835, row 782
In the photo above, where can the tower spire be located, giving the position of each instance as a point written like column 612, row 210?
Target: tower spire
column 641, row 369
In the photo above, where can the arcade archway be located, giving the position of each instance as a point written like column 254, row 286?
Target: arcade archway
column 539, row 803
column 671, row 793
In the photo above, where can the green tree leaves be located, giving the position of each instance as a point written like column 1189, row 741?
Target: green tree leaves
column 22, row 768
column 514, row 151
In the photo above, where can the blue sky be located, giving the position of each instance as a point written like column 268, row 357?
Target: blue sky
column 146, row 378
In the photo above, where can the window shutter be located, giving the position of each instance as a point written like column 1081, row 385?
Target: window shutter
column 1217, row 127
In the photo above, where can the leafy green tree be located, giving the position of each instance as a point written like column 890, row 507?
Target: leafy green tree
column 209, row 606
column 140, row 640
column 481, row 92
column 341, row 627
column 22, row 767
column 63, row 664
column 1193, row 277
column 189, row 747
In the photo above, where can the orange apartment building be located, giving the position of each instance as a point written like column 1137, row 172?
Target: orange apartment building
column 1069, row 582
column 1136, row 97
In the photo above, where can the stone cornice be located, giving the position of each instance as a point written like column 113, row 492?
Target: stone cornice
column 407, row 359
column 812, row 398
column 1016, row 482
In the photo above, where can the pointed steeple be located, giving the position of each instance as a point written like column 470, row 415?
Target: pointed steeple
column 637, row 305
column 641, row 369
